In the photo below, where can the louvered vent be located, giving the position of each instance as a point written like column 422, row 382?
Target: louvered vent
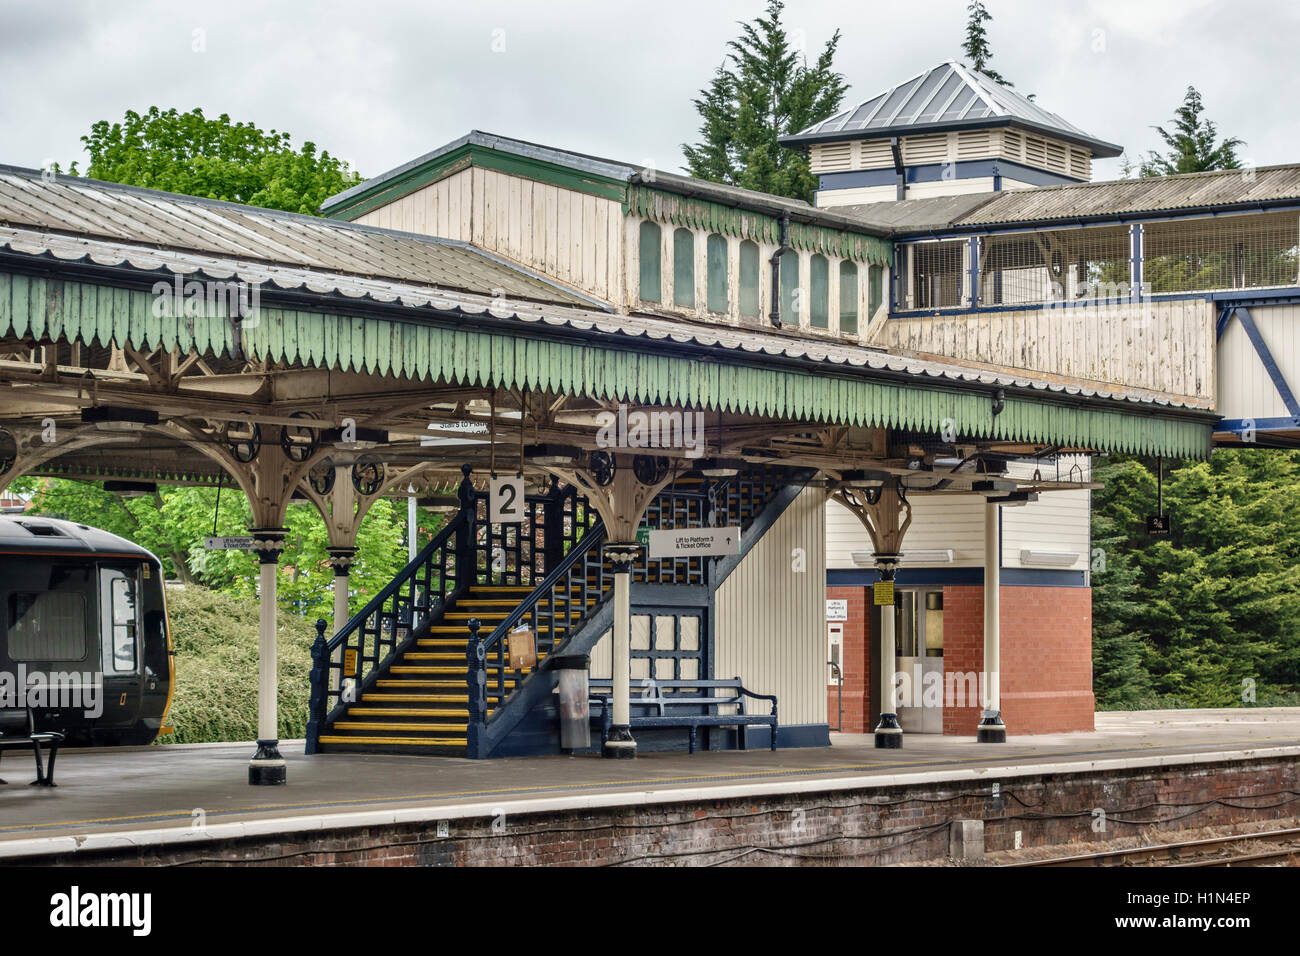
column 831, row 158
column 925, row 149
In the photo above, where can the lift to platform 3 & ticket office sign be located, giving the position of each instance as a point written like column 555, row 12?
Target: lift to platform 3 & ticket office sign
column 694, row 542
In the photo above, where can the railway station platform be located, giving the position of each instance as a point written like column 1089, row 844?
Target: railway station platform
column 849, row 803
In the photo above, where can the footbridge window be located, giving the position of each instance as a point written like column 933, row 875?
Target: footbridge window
column 684, row 268
column 749, row 299
column 717, row 273
column 650, row 254
column 1226, row 252
column 935, row 275
column 848, row 297
column 1054, row 266
column 819, row 282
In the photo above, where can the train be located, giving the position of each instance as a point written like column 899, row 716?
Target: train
column 86, row 642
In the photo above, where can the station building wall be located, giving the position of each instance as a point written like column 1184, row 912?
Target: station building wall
column 1046, row 612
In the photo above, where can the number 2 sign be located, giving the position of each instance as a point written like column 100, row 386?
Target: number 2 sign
column 506, row 501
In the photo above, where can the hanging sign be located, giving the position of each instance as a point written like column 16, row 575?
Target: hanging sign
column 837, row 610
column 1158, row 525
column 694, row 542
column 237, row 543
column 882, row 593
column 506, row 501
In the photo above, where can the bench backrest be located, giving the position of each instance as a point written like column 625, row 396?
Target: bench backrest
column 15, row 722
column 664, row 693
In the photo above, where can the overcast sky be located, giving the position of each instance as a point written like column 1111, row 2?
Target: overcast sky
column 379, row 83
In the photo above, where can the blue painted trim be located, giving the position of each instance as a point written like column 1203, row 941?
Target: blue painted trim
column 937, row 577
column 1270, row 366
column 973, row 273
column 1135, row 262
column 934, row 173
column 1239, row 425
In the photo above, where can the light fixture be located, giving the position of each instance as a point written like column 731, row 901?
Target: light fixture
column 111, row 418
column 720, row 467
column 1015, row 499
column 439, row 504
column 131, row 489
column 361, row 437
column 928, row 556
column 552, row 455
column 1051, row 559
column 984, row 487
column 864, row 478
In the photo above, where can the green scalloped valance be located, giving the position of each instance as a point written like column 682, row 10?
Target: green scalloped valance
column 715, row 217
column 49, row 309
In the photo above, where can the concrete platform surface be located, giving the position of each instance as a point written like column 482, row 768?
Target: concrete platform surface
column 171, row 793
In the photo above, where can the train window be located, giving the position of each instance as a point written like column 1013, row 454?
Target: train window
column 121, row 620
column 46, row 625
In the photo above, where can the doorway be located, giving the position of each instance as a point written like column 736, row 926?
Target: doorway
column 918, row 639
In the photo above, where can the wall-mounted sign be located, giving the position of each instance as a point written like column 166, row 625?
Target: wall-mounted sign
column 837, row 610
column 506, row 501
column 350, row 662
column 237, row 543
column 694, row 542
column 882, row 593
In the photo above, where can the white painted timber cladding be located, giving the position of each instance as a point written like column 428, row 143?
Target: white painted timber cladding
column 1245, row 388
column 570, row 236
column 1162, row 346
column 771, row 620
column 1057, row 521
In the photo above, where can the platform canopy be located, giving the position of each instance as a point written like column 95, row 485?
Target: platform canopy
column 107, row 298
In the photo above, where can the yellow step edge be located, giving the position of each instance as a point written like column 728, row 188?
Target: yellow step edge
column 396, row 741
column 418, row 698
column 413, row 728
column 404, row 712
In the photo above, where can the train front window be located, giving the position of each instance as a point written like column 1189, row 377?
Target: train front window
column 46, row 625
column 119, row 595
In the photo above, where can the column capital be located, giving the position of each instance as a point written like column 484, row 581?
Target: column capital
column 622, row 554
column 341, row 560
column 268, row 543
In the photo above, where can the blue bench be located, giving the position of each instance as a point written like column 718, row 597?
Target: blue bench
column 684, row 703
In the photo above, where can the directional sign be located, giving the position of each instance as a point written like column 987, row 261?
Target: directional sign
column 506, row 502
column 694, row 542
column 837, row 610
column 239, row 543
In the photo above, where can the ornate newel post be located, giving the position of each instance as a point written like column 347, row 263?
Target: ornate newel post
column 991, row 730
column 316, row 702
column 622, row 556
column 267, row 767
column 476, row 682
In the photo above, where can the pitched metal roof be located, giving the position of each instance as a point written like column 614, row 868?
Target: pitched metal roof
column 610, row 169
column 158, row 223
column 1217, row 189
column 1189, row 193
column 949, row 96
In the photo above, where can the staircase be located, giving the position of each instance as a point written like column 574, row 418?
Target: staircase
column 423, row 668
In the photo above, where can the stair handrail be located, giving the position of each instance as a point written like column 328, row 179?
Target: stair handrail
column 450, row 555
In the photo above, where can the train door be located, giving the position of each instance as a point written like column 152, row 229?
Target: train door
column 122, row 649
column 918, row 633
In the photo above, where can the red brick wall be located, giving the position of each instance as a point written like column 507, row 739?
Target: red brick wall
column 857, row 663
column 1046, row 681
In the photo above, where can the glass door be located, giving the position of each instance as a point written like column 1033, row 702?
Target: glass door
column 918, row 638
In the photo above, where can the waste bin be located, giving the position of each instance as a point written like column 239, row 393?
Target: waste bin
column 575, row 712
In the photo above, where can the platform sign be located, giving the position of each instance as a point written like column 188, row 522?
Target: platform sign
column 837, row 610
column 694, row 542
column 1158, row 525
column 236, row 543
column 506, row 502
column 882, row 593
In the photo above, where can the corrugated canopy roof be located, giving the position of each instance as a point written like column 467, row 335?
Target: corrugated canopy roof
column 949, row 96
column 166, row 221
column 1131, row 198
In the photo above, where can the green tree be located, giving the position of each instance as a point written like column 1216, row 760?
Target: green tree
column 764, row 89
column 214, row 158
column 1193, row 145
column 976, row 45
